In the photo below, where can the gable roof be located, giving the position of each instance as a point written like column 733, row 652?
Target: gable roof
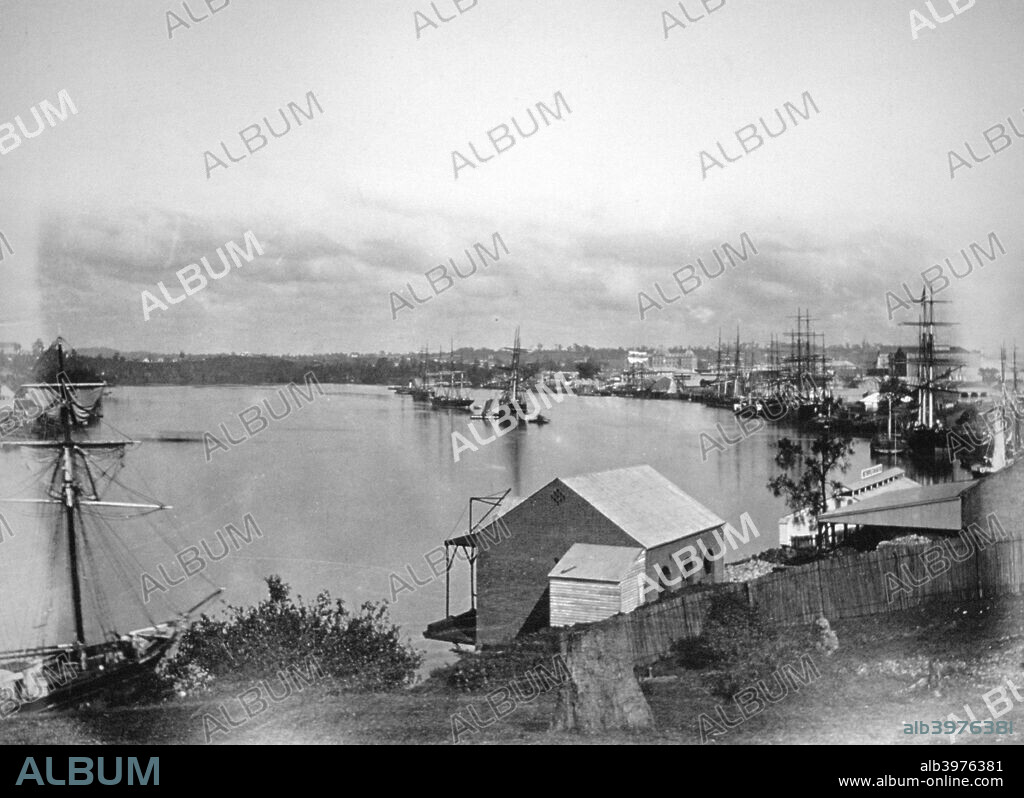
column 644, row 504
column 588, row 562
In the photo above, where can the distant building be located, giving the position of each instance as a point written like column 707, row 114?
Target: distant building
column 844, row 368
column 686, row 361
column 931, row 511
column 9, row 348
column 795, row 528
column 896, row 362
column 632, row 508
column 964, row 364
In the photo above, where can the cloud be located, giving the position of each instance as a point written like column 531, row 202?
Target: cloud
column 321, row 283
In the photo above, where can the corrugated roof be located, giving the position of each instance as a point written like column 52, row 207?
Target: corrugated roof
column 644, row 504
column 903, row 508
column 592, row 563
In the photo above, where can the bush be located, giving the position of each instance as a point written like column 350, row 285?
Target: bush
column 486, row 670
column 736, row 647
column 360, row 651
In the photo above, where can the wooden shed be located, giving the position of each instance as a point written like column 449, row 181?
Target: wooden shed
column 510, row 557
column 591, row 583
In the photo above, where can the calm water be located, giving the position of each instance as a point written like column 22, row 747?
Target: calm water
column 361, row 483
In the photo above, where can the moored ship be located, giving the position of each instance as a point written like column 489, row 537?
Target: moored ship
column 72, row 654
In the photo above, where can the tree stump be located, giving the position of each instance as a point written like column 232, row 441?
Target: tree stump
column 602, row 693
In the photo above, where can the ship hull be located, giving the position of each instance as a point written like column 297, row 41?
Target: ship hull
column 108, row 672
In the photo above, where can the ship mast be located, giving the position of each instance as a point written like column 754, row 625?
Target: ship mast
column 718, row 367
column 1015, row 408
column 926, row 360
column 69, row 493
column 737, row 365
column 74, row 491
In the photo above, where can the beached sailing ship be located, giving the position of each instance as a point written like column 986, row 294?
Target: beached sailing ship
column 70, row 652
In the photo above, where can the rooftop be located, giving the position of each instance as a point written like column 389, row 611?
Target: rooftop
column 644, row 504
column 889, row 475
column 914, row 508
column 592, row 563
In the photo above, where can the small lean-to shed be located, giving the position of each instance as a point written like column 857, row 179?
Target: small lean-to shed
column 593, row 582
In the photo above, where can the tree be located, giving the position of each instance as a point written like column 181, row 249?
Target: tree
column 807, row 489
column 588, row 369
column 988, row 376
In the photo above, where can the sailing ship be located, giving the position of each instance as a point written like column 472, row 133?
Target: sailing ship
column 40, row 403
column 891, row 442
column 927, row 437
column 422, row 390
column 1001, row 446
column 795, row 387
column 999, row 455
column 35, row 407
column 77, row 657
column 512, row 406
column 448, row 395
column 725, row 391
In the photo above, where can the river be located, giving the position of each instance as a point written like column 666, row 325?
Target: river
column 359, row 484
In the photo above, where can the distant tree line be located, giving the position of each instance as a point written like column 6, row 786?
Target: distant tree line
column 263, row 369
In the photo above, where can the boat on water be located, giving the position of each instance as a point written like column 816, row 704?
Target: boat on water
column 927, row 436
column 40, row 401
column 512, row 407
column 450, row 397
column 449, row 390
column 422, row 388
column 72, row 653
column 1000, row 445
column 795, row 387
column 1000, row 454
column 889, row 443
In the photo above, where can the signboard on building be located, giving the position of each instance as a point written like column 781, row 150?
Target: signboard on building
column 870, row 472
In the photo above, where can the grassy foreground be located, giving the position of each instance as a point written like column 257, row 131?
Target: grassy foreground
column 875, row 682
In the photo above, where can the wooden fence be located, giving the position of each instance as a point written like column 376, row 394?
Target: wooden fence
column 891, row 579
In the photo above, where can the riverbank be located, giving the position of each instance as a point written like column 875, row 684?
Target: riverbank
column 864, row 693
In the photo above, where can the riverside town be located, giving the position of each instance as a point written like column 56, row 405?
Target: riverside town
column 464, row 372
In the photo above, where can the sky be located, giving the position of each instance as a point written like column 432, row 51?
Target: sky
column 354, row 206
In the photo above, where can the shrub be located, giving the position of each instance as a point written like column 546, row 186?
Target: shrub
column 736, row 647
column 360, row 651
column 486, row 670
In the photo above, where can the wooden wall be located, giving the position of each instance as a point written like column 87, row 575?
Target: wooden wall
column 844, row 587
column 576, row 601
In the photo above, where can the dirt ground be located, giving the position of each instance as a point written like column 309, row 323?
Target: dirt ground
column 877, row 681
